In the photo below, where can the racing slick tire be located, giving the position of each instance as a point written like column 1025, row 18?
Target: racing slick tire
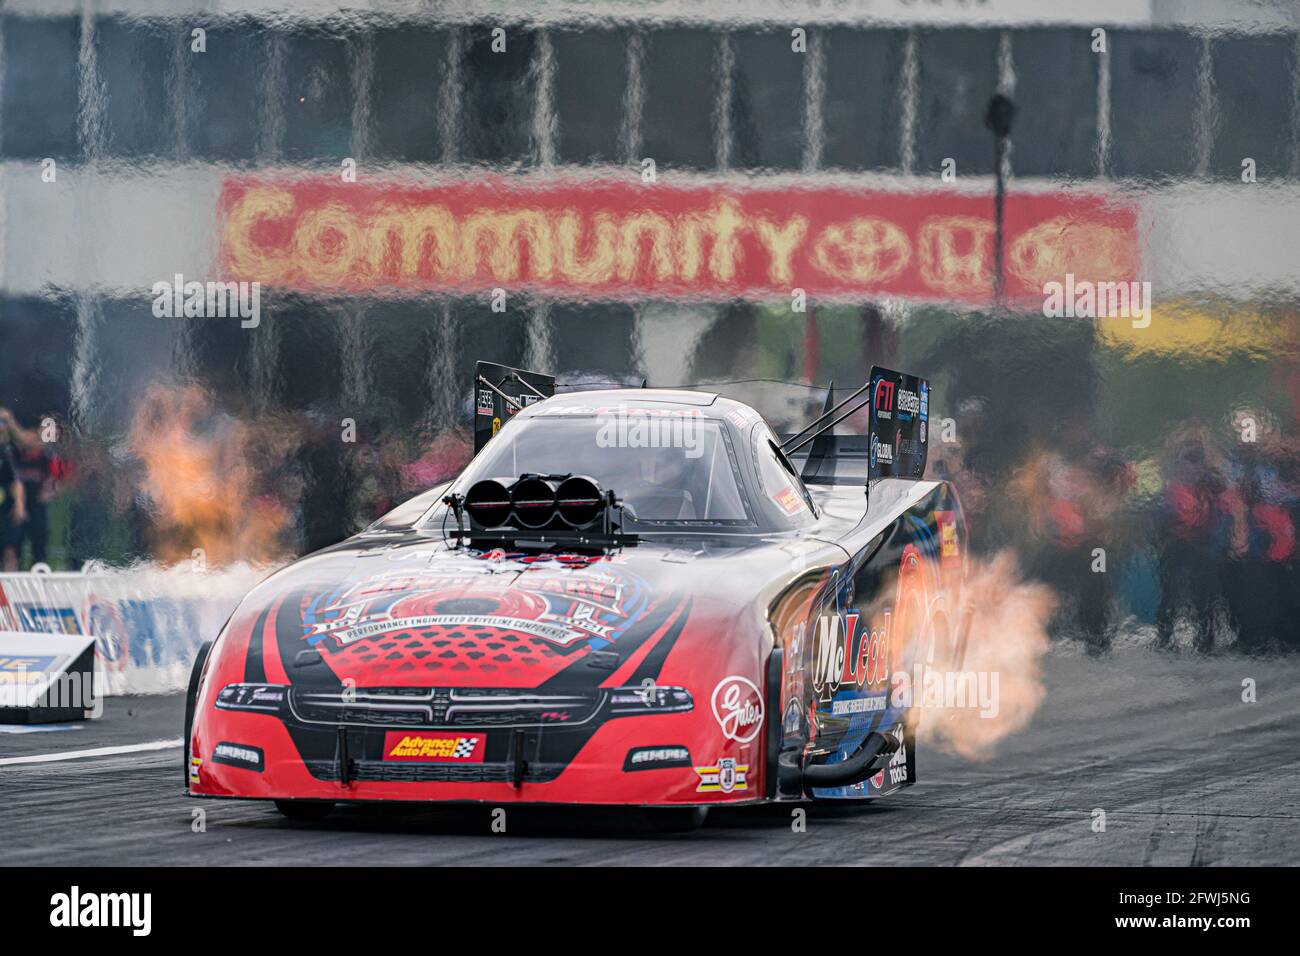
column 191, row 701
column 676, row 819
column 305, row 811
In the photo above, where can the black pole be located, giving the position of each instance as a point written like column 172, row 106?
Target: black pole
column 998, row 118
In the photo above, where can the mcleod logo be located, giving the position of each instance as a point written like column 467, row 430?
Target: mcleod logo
column 433, row 748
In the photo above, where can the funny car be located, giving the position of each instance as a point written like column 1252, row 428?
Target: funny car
column 635, row 596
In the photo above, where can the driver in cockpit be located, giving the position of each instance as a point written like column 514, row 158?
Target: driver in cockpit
column 657, row 488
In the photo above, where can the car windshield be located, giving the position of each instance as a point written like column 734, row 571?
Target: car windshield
column 664, row 467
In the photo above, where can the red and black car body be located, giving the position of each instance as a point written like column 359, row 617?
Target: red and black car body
column 717, row 617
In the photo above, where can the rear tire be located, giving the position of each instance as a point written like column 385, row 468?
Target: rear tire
column 305, row 811
column 676, row 819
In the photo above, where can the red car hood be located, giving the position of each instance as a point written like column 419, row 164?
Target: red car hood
column 420, row 614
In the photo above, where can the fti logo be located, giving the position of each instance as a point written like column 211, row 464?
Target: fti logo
column 884, row 398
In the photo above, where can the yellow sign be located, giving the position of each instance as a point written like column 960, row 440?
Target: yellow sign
column 1209, row 331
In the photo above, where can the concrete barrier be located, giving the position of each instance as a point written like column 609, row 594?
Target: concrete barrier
column 147, row 621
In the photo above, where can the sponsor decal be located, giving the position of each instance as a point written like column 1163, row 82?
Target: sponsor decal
column 738, row 708
column 7, row 620
column 400, row 745
column 47, row 620
column 900, row 410
column 484, row 404
column 788, row 501
column 897, row 766
column 725, row 776
column 705, row 239
column 105, row 623
column 860, row 705
column 793, row 716
column 656, row 758
column 949, row 546
column 558, row 635
column 196, row 763
column 884, row 398
column 881, row 453
column 24, row 668
column 737, row 418
column 849, row 655
column 649, row 414
column 564, row 603
column 239, row 755
column 878, row 780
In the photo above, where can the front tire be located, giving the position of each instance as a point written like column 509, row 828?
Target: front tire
column 191, row 702
column 676, row 819
column 305, row 811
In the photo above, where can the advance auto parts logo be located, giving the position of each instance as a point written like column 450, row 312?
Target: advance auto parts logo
column 401, row 745
column 738, row 708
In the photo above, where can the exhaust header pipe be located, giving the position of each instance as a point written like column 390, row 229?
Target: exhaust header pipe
column 533, row 501
column 854, row 769
column 488, row 503
column 579, row 501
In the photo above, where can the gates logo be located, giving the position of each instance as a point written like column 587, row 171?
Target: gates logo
column 433, row 748
column 738, row 708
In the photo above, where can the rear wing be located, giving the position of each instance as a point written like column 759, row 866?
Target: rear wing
column 895, row 444
column 500, row 392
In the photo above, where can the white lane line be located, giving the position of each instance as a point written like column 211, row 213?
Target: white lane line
column 97, row 752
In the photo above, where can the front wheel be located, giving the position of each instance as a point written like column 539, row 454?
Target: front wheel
column 305, row 811
column 676, row 819
column 191, row 701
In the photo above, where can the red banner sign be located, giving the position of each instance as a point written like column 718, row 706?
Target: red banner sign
column 623, row 239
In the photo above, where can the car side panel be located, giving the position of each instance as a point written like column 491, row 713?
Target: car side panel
column 852, row 636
